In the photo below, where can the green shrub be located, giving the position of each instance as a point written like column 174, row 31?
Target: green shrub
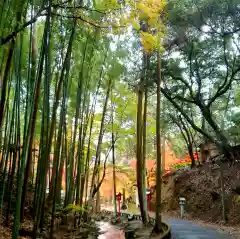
column 74, row 208
column 181, row 165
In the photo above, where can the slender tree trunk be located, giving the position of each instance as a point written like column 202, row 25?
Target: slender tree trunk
column 3, row 151
column 21, row 162
column 7, row 144
column 20, row 7
column 97, row 205
column 66, row 166
column 64, row 71
column 113, row 161
column 90, row 135
column 10, row 181
column 5, row 80
column 33, row 122
column 140, row 166
column 44, row 155
column 59, row 180
column 11, row 188
column 57, row 156
column 190, row 151
column 188, row 139
column 158, row 217
column 144, row 154
column 84, row 162
column 88, row 154
column 100, row 137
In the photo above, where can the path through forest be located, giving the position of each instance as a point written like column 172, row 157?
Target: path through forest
column 183, row 229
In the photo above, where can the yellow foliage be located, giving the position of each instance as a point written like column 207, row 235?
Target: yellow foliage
column 150, row 12
column 136, row 25
column 148, row 41
column 132, row 13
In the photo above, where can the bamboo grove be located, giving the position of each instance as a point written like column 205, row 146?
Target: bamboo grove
column 85, row 82
column 61, row 65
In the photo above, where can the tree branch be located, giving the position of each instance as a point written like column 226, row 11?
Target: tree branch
column 184, row 82
column 175, row 121
column 82, row 7
column 179, row 108
column 226, row 84
column 104, row 170
column 26, row 24
column 185, row 129
column 183, row 99
column 199, row 83
column 87, row 21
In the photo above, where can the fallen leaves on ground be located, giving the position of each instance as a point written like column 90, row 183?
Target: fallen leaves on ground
column 6, row 232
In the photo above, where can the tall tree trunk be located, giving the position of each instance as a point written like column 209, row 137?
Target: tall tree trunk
column 80, row 108
column 90, row 134
column 33, row 121
column 84, row 162
column 100, row 137
column 64, row 71
column 113, row 161
column 19, row 6
column 97, row 205
column 66, row 164
column 44, row 156
column 223, row 142
column 7, row 143
column 88, row 155
column 5, row 80
column 21, row 162
column 11, row 188
column 140, row 166
column 3, row 151
column 190, row 151
column 59, row 180
column 144, row 153
column 57, row 157
column 158, row 217
column 188, row 138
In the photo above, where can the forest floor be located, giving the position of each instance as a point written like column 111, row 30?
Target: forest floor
column 201, row 188
column 6, row 232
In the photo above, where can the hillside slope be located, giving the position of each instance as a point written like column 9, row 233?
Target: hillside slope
column 201, row 188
